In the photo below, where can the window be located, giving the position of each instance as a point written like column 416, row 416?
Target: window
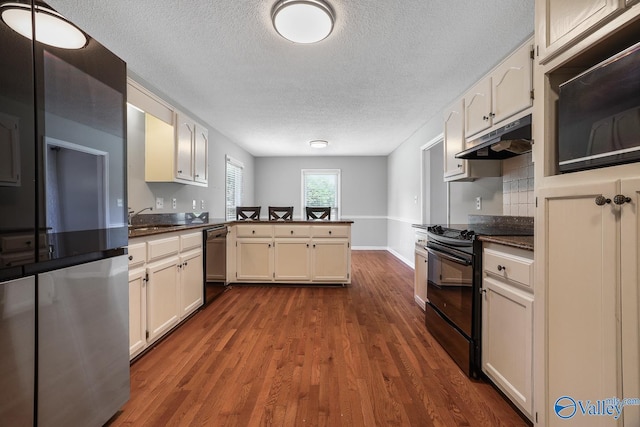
column 234, row 187
column 321, row 187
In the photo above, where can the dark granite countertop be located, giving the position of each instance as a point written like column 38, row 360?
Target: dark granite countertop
column 147, row 225
column 522, row 242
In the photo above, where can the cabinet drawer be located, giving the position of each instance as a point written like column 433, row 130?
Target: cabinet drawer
column 510, row 266
column 254, row 230
column 137, row 254
column 190, row 241
column 292, row 230
column 21, row 242
column 163, row 247
column 330, row 230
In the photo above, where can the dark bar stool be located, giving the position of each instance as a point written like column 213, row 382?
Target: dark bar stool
column 319, row 213
column 247, row 212
column 280, row 213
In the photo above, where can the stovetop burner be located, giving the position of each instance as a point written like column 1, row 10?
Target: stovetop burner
column 452, row 236
column 464, row 234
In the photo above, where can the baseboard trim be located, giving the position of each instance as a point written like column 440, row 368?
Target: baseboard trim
column 369, row 248
column 410, row 263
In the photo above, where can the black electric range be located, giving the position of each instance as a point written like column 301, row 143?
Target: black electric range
column 454, row 280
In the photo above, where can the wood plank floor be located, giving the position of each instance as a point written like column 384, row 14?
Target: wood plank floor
column 291, row 356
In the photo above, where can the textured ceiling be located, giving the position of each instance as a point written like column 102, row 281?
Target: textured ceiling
column 387, row 68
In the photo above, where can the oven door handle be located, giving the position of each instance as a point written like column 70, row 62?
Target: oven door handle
column 449, row 257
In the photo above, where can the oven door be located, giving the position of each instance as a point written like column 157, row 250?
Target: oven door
column 450, row 285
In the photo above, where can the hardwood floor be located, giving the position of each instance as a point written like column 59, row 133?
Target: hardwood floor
column 312, row 356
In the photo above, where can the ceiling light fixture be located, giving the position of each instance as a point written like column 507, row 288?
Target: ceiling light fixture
column 303, row 21
column 318, row 143
column 51, row 27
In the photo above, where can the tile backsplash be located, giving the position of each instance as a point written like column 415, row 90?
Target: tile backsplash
column 517, row 186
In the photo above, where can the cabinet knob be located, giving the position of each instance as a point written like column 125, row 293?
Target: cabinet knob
column 130, row 257
column 492, row 114
column 329, row 231
column 501, row 268
column 601, row 200
column 620, row 199
column 485, row 118
column 179, row 171
column 197, row 176
column 291, row 231
column 185, row 264
column 482, row 291
column 253, row 231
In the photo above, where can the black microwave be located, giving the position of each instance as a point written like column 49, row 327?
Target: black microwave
column 599, row 114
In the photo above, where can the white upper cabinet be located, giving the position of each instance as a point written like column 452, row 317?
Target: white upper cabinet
column 176, row 146
column 506, row 91
column 185, row 136
column 477, row 103
column 201, row 155
column 453, row 139
column 511, row 85
column 562, row 23
column 9, row 151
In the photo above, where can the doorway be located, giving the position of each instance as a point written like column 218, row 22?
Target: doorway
column 435, row 191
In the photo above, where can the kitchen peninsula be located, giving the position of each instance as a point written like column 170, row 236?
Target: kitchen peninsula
column 289, row 251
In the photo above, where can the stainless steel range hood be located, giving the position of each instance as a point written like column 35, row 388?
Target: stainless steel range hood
column 507, row 141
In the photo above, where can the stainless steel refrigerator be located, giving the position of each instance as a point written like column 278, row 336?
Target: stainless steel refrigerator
column 64, row 352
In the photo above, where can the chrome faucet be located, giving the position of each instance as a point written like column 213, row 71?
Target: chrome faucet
column 133, row 213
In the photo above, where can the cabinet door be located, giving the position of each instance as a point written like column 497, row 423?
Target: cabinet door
column 331, row 260
column 9, row 151
column 254, row 260
column 137, row 312
column 184, row 147
column 200, row 154
column 420, row 279
column 163, row 297
column 512, row 82
column 630, row 292
column 581, row 289
column 292, row 261
column 454, row 139
column 562, row 22
column 507, row 340
column 191, row 282
column 477, row 108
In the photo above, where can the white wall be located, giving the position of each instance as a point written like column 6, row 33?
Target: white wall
column 405, row 198
column 142, row 194
column 363, row 194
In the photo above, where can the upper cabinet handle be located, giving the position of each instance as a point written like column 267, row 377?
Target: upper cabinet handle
column 620, row 199
column 601, row 200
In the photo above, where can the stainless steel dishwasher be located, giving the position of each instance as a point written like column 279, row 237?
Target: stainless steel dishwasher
column 215, row 264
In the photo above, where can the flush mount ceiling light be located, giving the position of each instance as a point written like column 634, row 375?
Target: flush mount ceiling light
column 303, row 21
column 318, row 143
column 51, row 27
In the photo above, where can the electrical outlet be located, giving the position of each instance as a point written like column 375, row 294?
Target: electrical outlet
column 478, row 203
column 174, row 203
column 194, row 204
column 159, row 203
column 202, row 204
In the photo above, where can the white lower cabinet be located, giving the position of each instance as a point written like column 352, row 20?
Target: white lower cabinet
column 137, row 311
column 292, row 260
column 163, row 296
column 166, row 285
column 296, row 252
column 191, row 282
column 254, row 259
column 420, row 277
column 330, row 260
column 507, row 324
